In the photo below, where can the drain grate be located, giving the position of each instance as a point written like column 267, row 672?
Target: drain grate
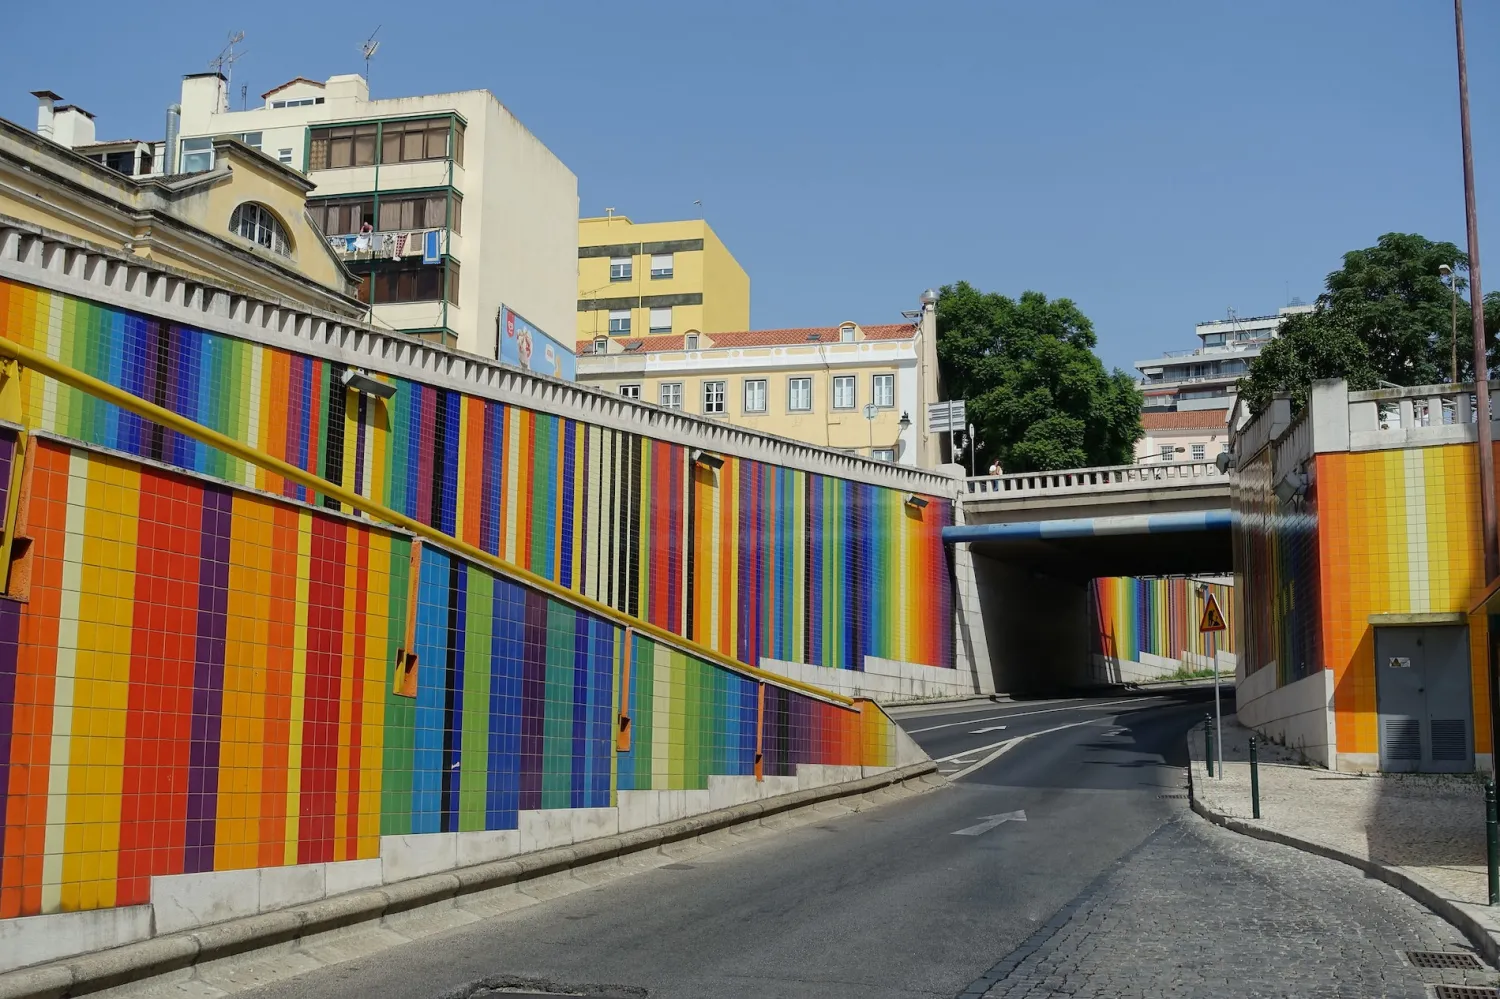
column 1182, row 794
column 1465, row 992
column 1445, row 960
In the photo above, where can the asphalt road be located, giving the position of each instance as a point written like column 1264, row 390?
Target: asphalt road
column 882, row 902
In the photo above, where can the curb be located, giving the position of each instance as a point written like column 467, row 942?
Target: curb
column 1485, row 940
column 182, row 950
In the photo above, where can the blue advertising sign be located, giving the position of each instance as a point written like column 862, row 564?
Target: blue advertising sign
column 523, row 345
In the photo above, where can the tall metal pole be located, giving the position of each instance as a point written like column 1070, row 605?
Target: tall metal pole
column 1453, row 309
column 1476, row 305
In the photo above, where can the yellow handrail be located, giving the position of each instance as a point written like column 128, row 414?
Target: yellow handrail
column 26, row 357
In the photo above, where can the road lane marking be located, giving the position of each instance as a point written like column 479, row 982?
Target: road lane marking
column 988, row 822
column 1001, row 748
column 992, row 728
column 1026, row 714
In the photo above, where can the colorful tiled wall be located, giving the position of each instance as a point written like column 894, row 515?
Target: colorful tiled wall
column 1278, row 573
column 1399, row 535
column 768, row 561
column 202, row 680
column 1157, row 615
column 205, row 674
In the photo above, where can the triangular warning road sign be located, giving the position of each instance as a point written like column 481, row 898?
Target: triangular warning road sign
column 1213, row 618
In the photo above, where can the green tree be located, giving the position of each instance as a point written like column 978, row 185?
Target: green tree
column 1384, row 316
column 1038, row 396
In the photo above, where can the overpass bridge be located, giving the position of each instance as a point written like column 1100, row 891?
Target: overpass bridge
column 1035, row 540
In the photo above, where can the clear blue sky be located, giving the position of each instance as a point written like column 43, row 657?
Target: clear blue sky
column 1158, row 162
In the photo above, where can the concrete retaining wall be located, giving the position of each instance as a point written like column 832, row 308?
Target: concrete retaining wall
column 1298, row 715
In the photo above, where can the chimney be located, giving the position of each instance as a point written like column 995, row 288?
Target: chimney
column 45, row 101
column 169, row 150
column 72, row 126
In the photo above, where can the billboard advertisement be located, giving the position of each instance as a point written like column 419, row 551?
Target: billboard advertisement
column 525, row 346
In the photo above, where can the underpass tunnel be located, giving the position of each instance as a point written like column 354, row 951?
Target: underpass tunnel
column 1034, row 581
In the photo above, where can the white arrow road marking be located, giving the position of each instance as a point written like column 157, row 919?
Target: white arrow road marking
column 999, row 749
column 990, row 822
column 1087, row 706
column 992, row 728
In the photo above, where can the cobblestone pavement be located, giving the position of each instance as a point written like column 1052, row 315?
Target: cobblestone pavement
column 1431, row 825
column 1200, row 911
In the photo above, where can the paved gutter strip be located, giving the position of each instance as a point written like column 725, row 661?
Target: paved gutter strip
column 172, row 952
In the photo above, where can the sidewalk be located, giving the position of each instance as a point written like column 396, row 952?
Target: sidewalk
column 1421, row 833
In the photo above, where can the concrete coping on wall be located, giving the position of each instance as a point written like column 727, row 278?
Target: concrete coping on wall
column 1455, row 617
column 175, row 952
column 65, row 265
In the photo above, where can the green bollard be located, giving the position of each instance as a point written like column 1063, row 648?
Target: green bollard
column 1254, row 781
column 1208, row 742
column 1492, row 840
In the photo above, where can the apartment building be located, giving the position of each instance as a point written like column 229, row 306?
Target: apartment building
column 449, row 212
column 858, row 389
column 655, row 278
column 241, row 223
column 1204, row 377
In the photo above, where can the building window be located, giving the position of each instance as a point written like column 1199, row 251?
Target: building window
column 414, row 141
column 1166, row 452
column 251, row 139
column 883, row 388
column 122, row 162
column 690, row 342
column 713, row 398
column 619, row 321
column 409, row 283
column 755, row 395
column 671, row 395
column 799, row 395
column 661, row 320
column 846, row 333
column 334, row 148
column 883, row 454
column 422, row 211
column 1224, row 448
column 630, row 391
column 341, row 216
column 257, row 224
column 661, row 266
column 1198, row 452
column 284, row 157
column 601, row 345
column 453, row 282
column 843, row 392
column 300, row 102
column 619, row 268
column 197, row 155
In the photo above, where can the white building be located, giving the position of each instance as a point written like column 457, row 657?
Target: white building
column 1205, row 377
column 444, row 205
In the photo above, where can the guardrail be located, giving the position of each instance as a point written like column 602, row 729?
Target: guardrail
column 1112, row 478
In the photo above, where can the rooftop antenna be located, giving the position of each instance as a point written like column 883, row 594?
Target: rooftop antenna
column 699, row 203
column 609, row 213
column 223, row 64
column 368, row 50
column 244, row 105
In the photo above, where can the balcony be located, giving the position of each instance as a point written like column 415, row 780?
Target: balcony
column 425, row 244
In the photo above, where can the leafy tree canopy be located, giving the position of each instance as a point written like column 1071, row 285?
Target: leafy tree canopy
column 1386, row 315
column 1038, row 396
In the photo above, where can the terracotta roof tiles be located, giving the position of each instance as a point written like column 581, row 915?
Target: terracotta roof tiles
column 757, row 338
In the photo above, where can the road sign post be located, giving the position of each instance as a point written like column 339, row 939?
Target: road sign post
column 1210, row 624
column 947, row 418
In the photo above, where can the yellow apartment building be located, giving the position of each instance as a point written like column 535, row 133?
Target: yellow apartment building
column 858, row 389
column 657, row 278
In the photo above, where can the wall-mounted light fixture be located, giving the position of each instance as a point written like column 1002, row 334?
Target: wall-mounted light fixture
column 1225, row 460
column 707, row 460
column 1292, row 486
column 363, row 383
column 915, row 502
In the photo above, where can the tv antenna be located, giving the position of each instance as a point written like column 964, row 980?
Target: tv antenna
column 227, row 57
column 368, row 50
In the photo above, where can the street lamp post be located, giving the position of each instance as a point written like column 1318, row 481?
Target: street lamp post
column 1445, row 271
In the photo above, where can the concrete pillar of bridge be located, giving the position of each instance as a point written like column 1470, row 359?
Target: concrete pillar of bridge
column 971, row 642
column 1036, row 627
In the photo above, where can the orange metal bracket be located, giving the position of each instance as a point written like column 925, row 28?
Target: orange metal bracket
column 622, row 732
column 406, row 657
